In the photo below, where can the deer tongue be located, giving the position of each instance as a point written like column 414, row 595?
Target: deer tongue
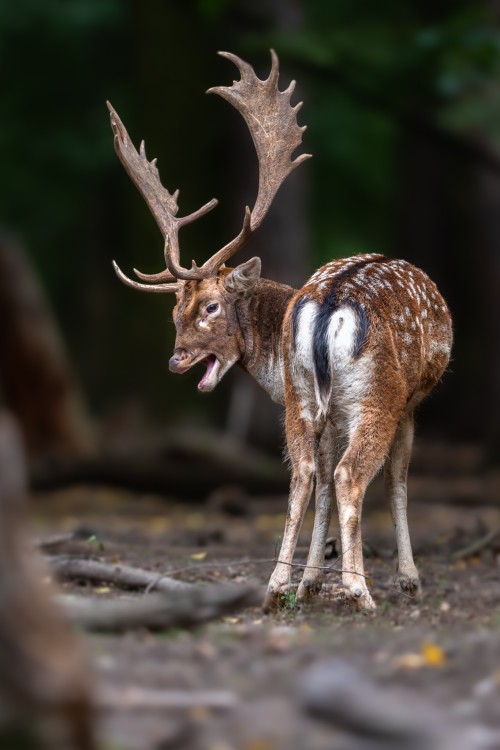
column 209, row 363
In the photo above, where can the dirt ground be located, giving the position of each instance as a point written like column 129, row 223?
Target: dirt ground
column 435, row 661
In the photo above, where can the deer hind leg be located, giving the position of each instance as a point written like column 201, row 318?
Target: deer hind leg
column 368, row 445
column 396, row 474
column 313, row 576
column 301, row 440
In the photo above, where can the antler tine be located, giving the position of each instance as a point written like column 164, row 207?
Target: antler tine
column 272, row 123
column 156, row 288
column 215, row 262
column 163, row 205
column 161, row 276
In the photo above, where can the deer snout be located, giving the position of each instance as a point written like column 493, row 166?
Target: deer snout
column 178, row 362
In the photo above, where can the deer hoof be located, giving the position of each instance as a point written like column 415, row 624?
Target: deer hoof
column 275, row 598
column 308, row 589
column 365, row 602
column 360, row 598
column 271, row 600
column 410, row 585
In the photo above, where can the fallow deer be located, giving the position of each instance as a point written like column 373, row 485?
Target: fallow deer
column 349, row 355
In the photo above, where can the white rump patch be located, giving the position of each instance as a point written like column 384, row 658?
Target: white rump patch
column 305, row 332
column 349, row 378
column 341, row 336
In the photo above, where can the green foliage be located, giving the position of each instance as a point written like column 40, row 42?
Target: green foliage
column 52, row 132
column 213, row 10
column 21, row 736
column 371, row 68
column 289, row 601
column 365, row 70
column 99, row 544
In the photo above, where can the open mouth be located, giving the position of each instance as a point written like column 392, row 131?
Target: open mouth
column 210, row 378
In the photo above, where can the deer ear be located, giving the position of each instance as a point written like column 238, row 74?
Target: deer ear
column 243, row 277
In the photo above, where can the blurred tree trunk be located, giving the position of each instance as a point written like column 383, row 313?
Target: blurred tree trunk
column 36, row 380
column 45, row 684
column 448, row 203
column 482, row 290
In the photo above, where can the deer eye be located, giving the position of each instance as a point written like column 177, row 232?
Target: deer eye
column 212, row 308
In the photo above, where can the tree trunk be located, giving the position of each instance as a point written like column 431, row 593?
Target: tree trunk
column 449, row 223
column 36, row 380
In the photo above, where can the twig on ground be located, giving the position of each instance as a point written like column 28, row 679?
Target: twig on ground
column 46, row 543
column 124, row 576
column 328, row 568
column 128, row 577
column 478, row 545
column 187, row 608
column 262, row 561
column 130, row 698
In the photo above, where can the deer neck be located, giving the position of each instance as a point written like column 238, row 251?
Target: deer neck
column 260, row 318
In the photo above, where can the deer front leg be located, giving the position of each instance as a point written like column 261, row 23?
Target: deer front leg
column 396, row 475
column 313, row 576
column 301, row 441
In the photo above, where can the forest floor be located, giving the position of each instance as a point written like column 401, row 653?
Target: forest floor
column 435, row 661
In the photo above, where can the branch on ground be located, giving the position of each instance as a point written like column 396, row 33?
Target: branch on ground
column 478, row 545
column 187, row 608
column 134, row 697
column 122, row 576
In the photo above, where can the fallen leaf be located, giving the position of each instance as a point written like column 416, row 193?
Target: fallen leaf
column 409, row 661
column 433, row 654
column 198, row 556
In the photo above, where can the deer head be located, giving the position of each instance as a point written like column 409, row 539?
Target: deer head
column 206, row 313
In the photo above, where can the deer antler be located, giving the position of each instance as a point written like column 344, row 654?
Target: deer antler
column 145, row 176
column 272, row 122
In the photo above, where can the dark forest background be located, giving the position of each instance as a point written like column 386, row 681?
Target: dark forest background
column 402, row 103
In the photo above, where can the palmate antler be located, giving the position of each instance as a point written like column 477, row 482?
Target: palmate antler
column 272, row 122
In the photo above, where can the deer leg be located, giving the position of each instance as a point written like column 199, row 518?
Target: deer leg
column 396, row 474
column 301, row 439
column 368, row 445
column 313, row 576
